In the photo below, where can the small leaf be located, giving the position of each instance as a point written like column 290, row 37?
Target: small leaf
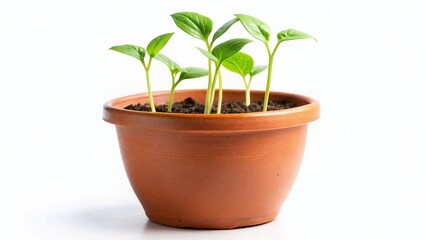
column 255, row 27
column 292, row 34
column 192, row 72
column 258, row 69
column 208, row 55
column 225, row 27
column 228, row 48
column 131, row 50
column 194, row 24
column 157, row 44
column 172, row 65
column 240, row 63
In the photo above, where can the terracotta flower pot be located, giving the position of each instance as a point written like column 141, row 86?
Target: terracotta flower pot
column 211, row 171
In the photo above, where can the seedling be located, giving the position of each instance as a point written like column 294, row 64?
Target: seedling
column 218, row 55
column 225, row 54
column 200, row 26
column 184, row 73
column 243, row 64
column 262, row 32
column 153, row 48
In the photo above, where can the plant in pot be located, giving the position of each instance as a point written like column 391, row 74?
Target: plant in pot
column 223, row 164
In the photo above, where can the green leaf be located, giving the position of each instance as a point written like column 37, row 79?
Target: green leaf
column 240, row 63
column 131, row 50
column 172, row 65
column 192, row 72
column 225, row 27
column 208, row 55
column 258, row 69
column 228, row 48
column 255, row 27
column 194, row 24
column 157, row 44
column 292, row 34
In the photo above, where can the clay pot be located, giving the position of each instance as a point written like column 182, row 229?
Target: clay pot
column 211, row 171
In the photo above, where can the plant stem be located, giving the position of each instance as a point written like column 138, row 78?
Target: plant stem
column 219, row 99
column 213, row 88
column 208, row 107
column 151, row 99
column 247, row 90
column 209, row 48
column 172, row 93
column 209, row 86
column 170, row 105
column 249, row 83
column 268, row 81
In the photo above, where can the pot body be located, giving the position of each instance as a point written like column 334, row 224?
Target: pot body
column 211, row 171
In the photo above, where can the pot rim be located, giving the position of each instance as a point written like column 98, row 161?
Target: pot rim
column 301, row 115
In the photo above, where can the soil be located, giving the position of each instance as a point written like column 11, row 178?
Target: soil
column 190, row 106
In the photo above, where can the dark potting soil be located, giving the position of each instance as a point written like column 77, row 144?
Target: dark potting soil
column 189, row 105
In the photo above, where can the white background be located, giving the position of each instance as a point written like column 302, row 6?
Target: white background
column 363, row 175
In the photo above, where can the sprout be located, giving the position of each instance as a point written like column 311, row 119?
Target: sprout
column 225, row 54
column 154, row 47
column 184, row 73
column 261, row 31
column 243, row 64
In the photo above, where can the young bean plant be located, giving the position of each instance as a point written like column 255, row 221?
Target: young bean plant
column 226, row 54
column 184, row 73
column 153, row 48
column 262, row 32
column 200, row 27
column 243, row 64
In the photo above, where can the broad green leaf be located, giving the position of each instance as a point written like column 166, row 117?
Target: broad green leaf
column 240, row 63
column 131, row 50
column 255, row 27
column 258, row 69
column 194, row 24
column 225, row 27
column 172, row 65
column 208, row 55
column 192, row 72
column 157, row 44
column 228, row 48
column 292, row 34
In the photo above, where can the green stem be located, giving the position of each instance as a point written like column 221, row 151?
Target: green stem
column 172, row 93
column 219, row 99
column 249, row 83
column 268, row 81
column 151, row 99
column 210, row 102
column 209, row 86
column 213, row 88
column 247, row 90
column 209, row 48
column 247, row 97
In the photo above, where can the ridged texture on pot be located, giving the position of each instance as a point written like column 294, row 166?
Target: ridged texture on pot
column 211, row 171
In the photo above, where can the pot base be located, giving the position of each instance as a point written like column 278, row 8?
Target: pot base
column 212, row 224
